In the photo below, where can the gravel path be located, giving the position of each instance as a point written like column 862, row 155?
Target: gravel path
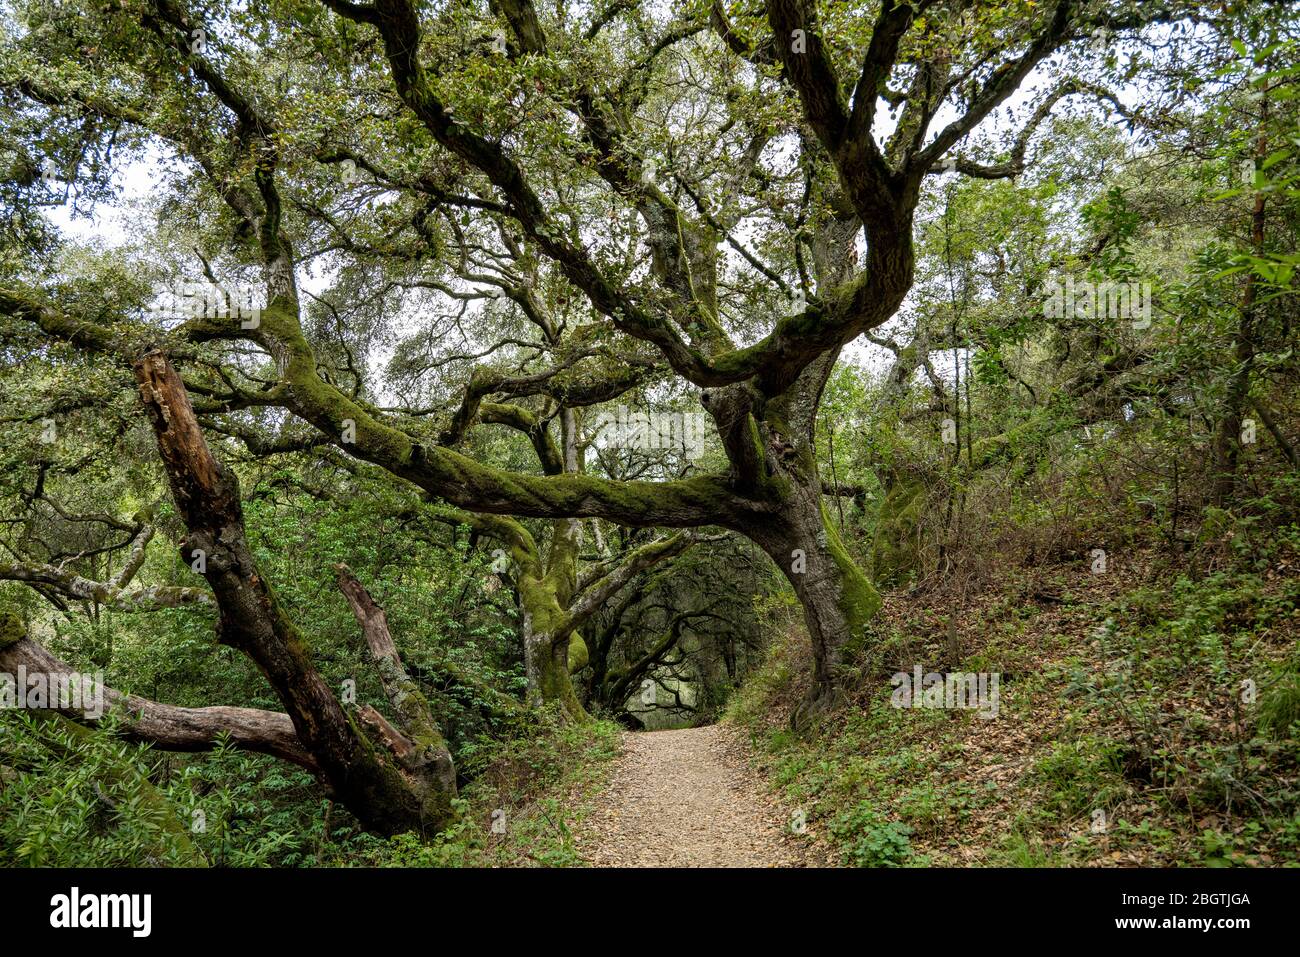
column 689, row 798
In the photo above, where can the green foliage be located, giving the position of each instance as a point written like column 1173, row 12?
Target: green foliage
column 1279, row 706
column 1082, row 775
column 984, row 438
column 870, row 841
column 254, row 811
column 535, row 784
column 71, row 798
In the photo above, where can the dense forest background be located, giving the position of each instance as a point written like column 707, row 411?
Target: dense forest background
column 541, row 356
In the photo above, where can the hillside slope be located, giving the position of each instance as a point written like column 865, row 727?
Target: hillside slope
column 1144, row 718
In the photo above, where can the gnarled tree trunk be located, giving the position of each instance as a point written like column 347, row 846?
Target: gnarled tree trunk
column 392, row 780
column 837, row 597
column 771, row 444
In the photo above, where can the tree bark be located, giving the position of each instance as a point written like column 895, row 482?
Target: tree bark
column 544, row 596
column 377, row 773
column 428, row 759
column 838, row 599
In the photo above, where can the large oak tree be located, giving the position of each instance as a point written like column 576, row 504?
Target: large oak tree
column 548, row 210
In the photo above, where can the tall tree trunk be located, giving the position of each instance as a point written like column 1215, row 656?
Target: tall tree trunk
column 838, row 599
column 797, row 532
column 544, row 594
column 1227, row 445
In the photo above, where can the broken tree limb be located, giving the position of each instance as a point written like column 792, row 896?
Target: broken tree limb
column 427, row 749
column 167, row 727
column 402, row 693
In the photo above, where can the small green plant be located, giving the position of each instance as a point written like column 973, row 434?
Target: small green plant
column 83, row 799
column 871, row 841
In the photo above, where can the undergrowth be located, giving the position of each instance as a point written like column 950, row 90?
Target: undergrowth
column 1145, row 718
column 71, row 797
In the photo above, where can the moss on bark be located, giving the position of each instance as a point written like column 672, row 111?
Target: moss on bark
column 859, row 600
column 894, row 548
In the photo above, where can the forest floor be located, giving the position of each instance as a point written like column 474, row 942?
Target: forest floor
column 690, row 798
column 1125, row 734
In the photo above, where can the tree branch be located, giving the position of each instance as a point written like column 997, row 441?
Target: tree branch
column 164, row 726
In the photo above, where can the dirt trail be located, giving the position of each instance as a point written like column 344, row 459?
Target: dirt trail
column 689, row 798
